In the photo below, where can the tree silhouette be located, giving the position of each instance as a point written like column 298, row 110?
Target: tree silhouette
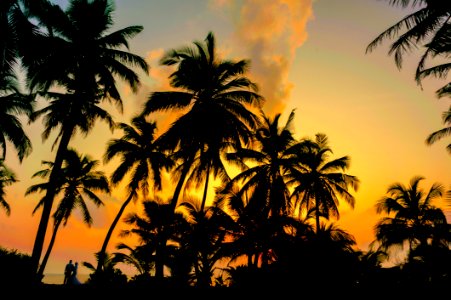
column 320, row 183
column 142, row 158
column 12, row 104
column 79, row 56
column 79, row 181
column 214, row 96
column 7, row 177
column 411, row 216
column 441, row 133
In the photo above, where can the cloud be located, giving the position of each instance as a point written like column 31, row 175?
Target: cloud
column 269, row 32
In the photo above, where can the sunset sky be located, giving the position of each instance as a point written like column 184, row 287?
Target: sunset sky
column 305, row 55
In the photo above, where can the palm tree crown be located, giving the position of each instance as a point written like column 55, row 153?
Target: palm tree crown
column 215, row 97
column 320, row 182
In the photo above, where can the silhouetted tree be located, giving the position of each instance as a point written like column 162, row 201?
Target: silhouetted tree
column 411, row 216
column 321, row 183
column 142, row 159
column 7, row 178
column 79, row 56
column 79, row 181
column 215, row 97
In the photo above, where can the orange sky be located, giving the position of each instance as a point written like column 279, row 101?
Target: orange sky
column 305, row 55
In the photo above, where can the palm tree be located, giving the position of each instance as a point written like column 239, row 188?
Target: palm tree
column 205, row 238
column 12, row 104
column 8, row 42
column 7, row 177
column 154, row 229
column 411, row 215
column 111, row 275
column 80, row 181
column 272, row 157
column 79, row 56
column 319, row 182
column 142, row 158
column 439, row 134
column 215, row 97
column 430, row 21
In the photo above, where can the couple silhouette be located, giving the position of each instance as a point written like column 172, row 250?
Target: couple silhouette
column 70, row 274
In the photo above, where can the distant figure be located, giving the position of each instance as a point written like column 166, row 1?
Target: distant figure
column 74, row 280
column 68, row 272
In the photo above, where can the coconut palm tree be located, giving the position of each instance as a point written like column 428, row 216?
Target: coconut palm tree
column 215, row 98
column 319, row 182
column 80, row 181
column 13, row 104
column 205, row 238
column 444, row 132
column 411, row 216
column 270, row 159
column 141, row 158
column 8, row 42
column 82, row 58
column 154, row 229
column 429, row 21
column 7, row 177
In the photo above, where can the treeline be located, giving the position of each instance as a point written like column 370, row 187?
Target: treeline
column 270, row 225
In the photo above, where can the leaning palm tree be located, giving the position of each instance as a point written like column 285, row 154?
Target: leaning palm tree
column 411, row 215
column 141, row 158
column 320, row 182
column 12, row 104
column 429, row 21
column 7, row 177
column 79, row 181
column 80, row 57
column 215, row 98
column 444, row 132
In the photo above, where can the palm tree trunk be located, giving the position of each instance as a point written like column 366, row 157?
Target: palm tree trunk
column 49, row 250
column 48, row 201
column 180, row 183
column 102, row 252
column 317, row 215
column 204, row 197
column 159, row 260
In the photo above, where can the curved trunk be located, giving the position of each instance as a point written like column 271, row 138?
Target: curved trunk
column 317, row 215
column 102, row 252
column 204, row 197
column 49, row 250
column 180, row 183
column 48, row 202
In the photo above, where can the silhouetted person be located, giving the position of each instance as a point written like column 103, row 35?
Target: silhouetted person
column 73, row 278
column 68, row 272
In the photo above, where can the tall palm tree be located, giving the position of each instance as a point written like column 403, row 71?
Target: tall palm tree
column 320, row 182
column 411, row 215
column 439, row 134
column 142, row 158
column 79, row 181
column 12, row 104
column 7, row 177
column 215, row 98
column 81, row 57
